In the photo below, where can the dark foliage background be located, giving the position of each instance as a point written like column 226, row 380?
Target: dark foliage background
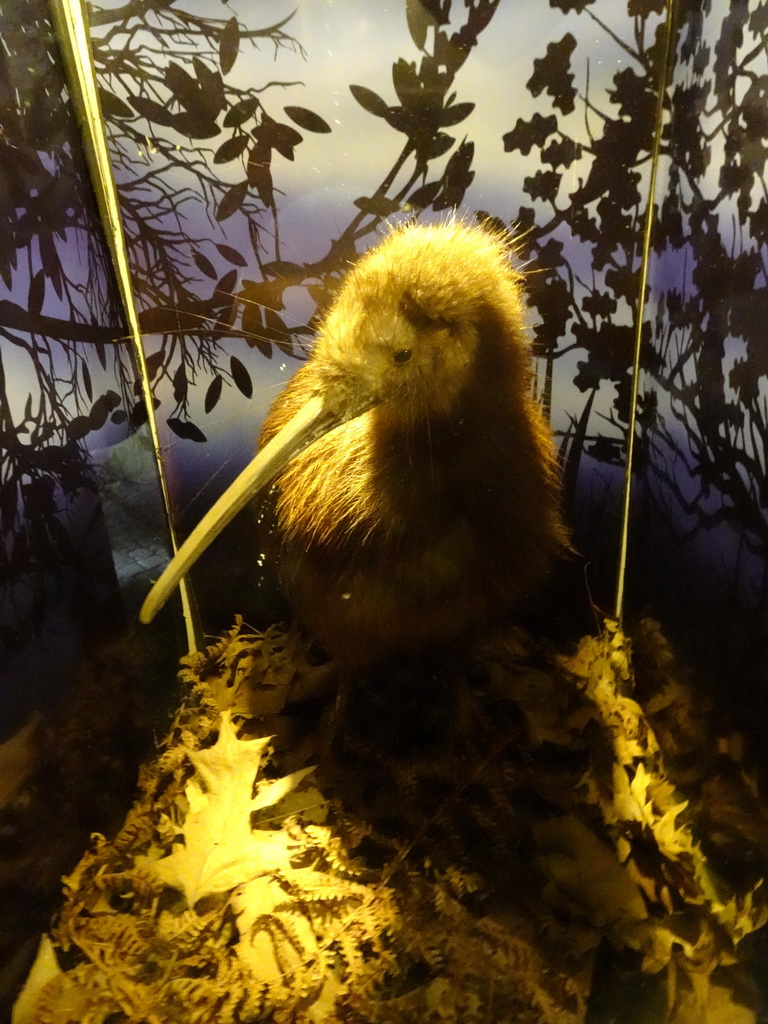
column 209, row 139
column 699, row 515
column 64, row 376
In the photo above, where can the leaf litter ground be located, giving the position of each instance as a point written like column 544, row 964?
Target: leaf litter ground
column 473, row 842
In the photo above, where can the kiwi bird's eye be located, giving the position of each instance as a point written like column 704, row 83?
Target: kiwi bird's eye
column 403, row 355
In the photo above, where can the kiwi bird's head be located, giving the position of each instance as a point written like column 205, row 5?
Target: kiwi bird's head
column 407, row 325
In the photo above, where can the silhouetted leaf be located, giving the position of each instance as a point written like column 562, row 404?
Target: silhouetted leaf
column 644, row 8
column 552, row 74
column 180, row 383
column 552, row 296
column 377, row 206
column 436, row 146
column 119, row 416
column 98, row 414
column 232, row 255
column 439, row 9
column 307, row 119
column 623, row 282
column 274, row 326
column 231, row 201
column 370, row 101
column 258, row 342
column 566, row 6
column 570, row 471
column 204, row 264
column 229, row 45
column 635, row 97
column 425, row 194
column 735, row 177
column 227, row 315
column 281, row 137
column 36, row 293
column 231, row 149
column 255, row 296
column 527, row 134
column 618, row 137
column 213, row 394
column 152, row 111
column 419, row 22
column 495, row 225
column 253, row 234
column 224, row 289
column 240, row 376
column 543, row 185
column 87, row 385
column 183, row 86
column 195, row 125
column 726, row 51
column 253, row 318
column 51, row 262
column 158, row 320
column 260, row 175
column 457, row 178
column 455, row 114
column 113, row 106
column 759, row 222
column 758, row 19
column 154, row 362
column 283, row 269
column 186, row 430
column 408, row 85
column 138, row 414
column 101, row 409
column 78, row 427
column 600, row 304
column 241, row 112
column 607, row 449
column 8, row 258
column 211, row 99
column 561, row 152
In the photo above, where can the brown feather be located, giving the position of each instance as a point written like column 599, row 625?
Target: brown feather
column 427, row 519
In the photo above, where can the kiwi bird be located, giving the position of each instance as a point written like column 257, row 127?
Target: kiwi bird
column 415, row 478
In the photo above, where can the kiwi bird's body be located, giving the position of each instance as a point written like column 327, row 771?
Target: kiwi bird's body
column 425, row 519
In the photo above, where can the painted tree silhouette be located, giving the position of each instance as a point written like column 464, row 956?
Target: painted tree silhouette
column 184, row 138
column 584, row 247
column 710, row 336
column 63, row 373
column 191, row 125
column 705, row 412
column 703, row 404
column 710, row 219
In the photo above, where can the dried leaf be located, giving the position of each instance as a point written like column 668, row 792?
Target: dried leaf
column 220, row 850
column 44, row 970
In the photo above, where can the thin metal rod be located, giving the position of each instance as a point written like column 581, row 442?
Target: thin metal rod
column 646, row 253
column 73, row 36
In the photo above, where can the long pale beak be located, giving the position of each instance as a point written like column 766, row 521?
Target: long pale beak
column 314, row 418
